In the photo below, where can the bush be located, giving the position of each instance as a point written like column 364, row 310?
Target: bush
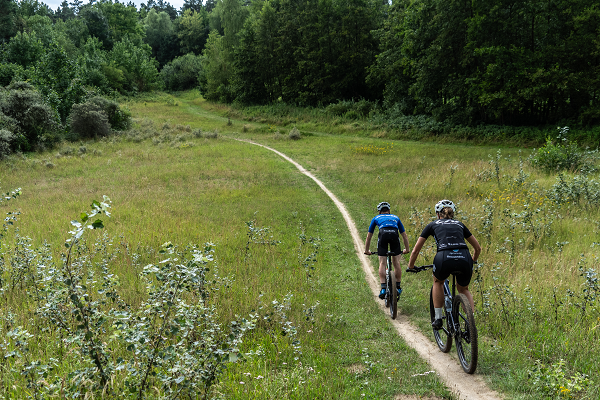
column 561, row 155
column 6, row 138
column 119, row 120
column 182, row 73
column 9, row 72
column 88, row 120
column 295, row 134
column 32, row 120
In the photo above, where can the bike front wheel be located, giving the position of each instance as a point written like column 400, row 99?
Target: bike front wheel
column 466, row 333
column 443, row 338
column 393, row 294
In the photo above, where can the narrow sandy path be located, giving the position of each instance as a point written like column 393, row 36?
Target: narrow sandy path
column 466, row 387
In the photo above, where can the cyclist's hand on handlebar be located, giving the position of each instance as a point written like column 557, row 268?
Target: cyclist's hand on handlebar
column 405, row 251
column 368, row 252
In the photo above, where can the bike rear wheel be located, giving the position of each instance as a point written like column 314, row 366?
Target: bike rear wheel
column 466, row 334
column 393, row 293
column 442, row 336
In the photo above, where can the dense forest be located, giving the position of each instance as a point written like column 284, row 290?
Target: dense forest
column 503, row 62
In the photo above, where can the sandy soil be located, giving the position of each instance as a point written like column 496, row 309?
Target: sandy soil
column 465, row 386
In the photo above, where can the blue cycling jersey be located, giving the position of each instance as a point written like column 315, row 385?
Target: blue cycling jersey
column 386, row 221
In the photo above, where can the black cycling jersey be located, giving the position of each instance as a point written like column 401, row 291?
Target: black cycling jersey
column 449, row 234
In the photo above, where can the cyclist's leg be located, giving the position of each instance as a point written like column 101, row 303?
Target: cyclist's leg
column 397, row 269
column 465, row 290
column 438, row 293
column 382, row 268
column 382, row 248
column 439, row 276
column 463, row 280
column 396, row 249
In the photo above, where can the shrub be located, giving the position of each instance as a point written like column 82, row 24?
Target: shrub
column 119, row 119
column 295, row 134
column 182, row 73
column 6, row 138
column 88, row 120
column 8, row 73
column 33, row 122
column 561, row 155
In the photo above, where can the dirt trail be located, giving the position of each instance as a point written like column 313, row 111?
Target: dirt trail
column 466, row 387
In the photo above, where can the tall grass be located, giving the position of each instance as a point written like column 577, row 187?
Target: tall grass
column 282, row 260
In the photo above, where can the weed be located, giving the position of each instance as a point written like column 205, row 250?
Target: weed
column 561, row 155
column 553, row 382
column 295, row 134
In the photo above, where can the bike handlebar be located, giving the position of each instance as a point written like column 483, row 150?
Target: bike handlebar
column 419, row 269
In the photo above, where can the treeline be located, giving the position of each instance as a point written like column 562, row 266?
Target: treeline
column 455, row 62
column 495, row 61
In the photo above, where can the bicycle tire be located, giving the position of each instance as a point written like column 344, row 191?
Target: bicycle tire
column 466, row 333
column 442, row 335
column 393, row 294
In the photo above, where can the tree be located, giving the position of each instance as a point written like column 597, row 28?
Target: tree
column 97, row 25
column 256, row 78
column 24, row 49
column 8, row 13
column 136, row 63
column 193, row 5
column 64, row 12
column 33, row 121
column 123, row 21
column 160, row 36
column 192, row 31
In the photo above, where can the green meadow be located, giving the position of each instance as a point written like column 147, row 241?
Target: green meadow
column 221, row 257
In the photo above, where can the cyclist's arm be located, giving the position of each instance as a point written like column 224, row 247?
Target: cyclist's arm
column 476, row 247
column 368, row 243
column 415, row 252
column 406, row 245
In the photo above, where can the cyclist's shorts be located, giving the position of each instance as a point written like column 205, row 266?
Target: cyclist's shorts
column 448, row 261
column 388, row 236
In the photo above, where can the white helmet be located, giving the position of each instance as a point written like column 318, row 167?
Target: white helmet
column 443, row 204
column 382, row 205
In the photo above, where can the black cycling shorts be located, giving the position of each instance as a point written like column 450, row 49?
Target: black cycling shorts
column 448, row 261
column 388, row 236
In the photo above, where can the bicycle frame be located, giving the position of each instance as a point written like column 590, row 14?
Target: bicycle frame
column 391, row 295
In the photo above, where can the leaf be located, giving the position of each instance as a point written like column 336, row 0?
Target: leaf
column 97, row 224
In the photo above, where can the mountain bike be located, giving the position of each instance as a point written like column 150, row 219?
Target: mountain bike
column 459, row 324
column 391, row 294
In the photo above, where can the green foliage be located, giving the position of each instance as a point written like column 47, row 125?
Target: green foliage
column 6, row 140
column 554, row 383
column 31, row 121
column 474, row 62
column 295, row 134
column 118, row 119
column 138, row 67
column 561, row 155
column 24, row 49
column 192, row 30
column 10, row 72
column 311, row 53
column 172, row 344
column 160, row 35
column 182, row 73
column 88, row 121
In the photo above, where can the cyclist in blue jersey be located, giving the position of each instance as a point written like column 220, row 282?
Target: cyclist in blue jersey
column 390, row 229
column 452, row 255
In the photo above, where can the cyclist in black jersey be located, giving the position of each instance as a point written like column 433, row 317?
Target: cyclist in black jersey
column 390, row 228
column 452, row 255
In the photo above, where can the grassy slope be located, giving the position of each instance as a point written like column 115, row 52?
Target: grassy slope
column 207, row 191
column 412, row 176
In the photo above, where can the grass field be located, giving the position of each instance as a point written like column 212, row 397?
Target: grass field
column 283, row 258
